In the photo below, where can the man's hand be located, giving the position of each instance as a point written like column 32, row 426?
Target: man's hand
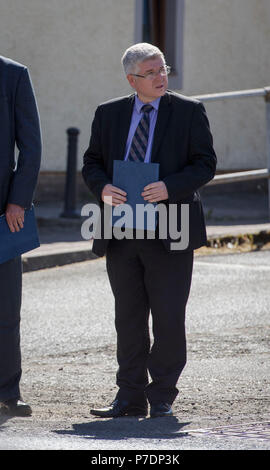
column 155, row 192
column 15, row 217
column 113, row 196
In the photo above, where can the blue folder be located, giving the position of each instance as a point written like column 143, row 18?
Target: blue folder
column 13, row 244
column 132, row 177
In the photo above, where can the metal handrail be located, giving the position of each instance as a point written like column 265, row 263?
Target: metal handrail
column 244, row 175
column 235, row 94
column 240, row 176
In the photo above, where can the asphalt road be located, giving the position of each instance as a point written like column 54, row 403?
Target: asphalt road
column 68, row 348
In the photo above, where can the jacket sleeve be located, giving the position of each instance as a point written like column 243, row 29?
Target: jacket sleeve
column 28, row 141
column 202, row 159
column 93, row 170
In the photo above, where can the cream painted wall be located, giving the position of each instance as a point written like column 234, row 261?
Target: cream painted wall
column 226, row 47
column 73, row 51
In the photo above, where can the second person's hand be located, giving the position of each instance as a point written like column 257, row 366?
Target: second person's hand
column 14, row 217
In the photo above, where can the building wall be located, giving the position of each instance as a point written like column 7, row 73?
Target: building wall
column 73, row 52
column 226, row 48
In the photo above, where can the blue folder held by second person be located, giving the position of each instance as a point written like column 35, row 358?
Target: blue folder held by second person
column 13, row 244
column 132, row 177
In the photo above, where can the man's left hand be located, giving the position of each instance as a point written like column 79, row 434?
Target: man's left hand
column 155, row 192
column 15, row 217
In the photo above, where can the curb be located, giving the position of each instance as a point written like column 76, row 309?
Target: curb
column 254, row 241
column 35, row 263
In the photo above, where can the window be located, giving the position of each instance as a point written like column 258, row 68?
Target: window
column 160, row 22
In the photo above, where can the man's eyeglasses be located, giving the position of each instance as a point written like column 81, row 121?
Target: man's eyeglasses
column 151, row 75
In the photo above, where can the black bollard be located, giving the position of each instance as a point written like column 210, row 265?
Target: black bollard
column 71, row 174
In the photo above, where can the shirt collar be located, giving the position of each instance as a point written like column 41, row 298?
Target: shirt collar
column 139, row 104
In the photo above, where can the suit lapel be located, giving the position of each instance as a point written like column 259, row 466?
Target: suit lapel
column 124, row 124
column 164, row 111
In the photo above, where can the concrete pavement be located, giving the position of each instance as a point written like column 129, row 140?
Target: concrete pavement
column 234, row 220
column 69, row 362
column 227, row 402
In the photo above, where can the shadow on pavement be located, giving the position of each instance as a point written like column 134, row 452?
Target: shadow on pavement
column 4, row 417
column 127, row 427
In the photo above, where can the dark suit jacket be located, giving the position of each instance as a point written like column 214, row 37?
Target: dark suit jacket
column 182, row 146
column 19, row 124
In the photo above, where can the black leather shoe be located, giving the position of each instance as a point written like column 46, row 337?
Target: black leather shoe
column 121, row 408
column 160, row 409
column 15, row 407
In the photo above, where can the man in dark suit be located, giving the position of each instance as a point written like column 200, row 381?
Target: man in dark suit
column 146, row 274
column 19, row 125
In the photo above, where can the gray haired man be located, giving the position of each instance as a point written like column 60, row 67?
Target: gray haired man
column 145, row 275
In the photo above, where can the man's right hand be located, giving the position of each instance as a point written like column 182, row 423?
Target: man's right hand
column 14, row 217
column 113, row 196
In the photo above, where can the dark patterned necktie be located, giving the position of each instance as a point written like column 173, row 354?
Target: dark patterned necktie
column 140, row 139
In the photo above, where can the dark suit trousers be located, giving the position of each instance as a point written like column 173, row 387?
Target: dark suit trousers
column 10, row 305
column 145, row 277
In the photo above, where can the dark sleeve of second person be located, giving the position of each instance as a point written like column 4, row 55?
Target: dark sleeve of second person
column 28, row 141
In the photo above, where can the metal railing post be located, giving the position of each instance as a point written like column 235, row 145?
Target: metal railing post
column 267, row 103
column 70, row 189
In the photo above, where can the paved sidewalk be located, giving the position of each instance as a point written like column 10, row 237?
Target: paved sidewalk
column 231, row 219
